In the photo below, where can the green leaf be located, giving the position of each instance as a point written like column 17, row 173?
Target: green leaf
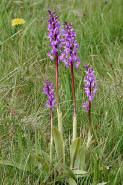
column 12, row 164
column 74, row 150
column 60, row 128
column 82, row 154
column 69, row 173
column 74, row 127
column 80, row 159
column 72, row 181
column 102, row 183
column 89, row 140
column 42, row 160
column 80, row 173
column 59, row 145
column 96, row 171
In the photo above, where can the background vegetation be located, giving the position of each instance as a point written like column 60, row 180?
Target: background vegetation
column 24, row 119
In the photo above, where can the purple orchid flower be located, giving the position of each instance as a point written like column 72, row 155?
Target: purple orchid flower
column 90, row 86
column 49, row 91
column 70, row 45
column 54, row 35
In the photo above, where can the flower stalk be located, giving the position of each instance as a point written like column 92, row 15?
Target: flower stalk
column 54, row 36
column 89, row 115
column 51, row 137
column 59, row 113
column 90, row 89
column 57, row 92
column 74, row 105
column 49, row 91
column 70, row 57
column 73, row 89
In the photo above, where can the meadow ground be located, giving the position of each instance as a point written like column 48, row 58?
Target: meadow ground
column 24, row 119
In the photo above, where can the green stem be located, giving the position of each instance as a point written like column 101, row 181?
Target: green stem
column 89, row 114
column 59, row 113
column 73, row 89
column 57, row 93
column 74, row 104
column 74, row 127
column 51, row 139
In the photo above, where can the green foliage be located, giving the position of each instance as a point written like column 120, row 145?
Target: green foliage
column 43, row 162
column 69, row 173
column 72, row 181
column 74, row 151
column 60, row 126
column 12, row 164
column 59, row 146
column 96, row 171
column 80, row 159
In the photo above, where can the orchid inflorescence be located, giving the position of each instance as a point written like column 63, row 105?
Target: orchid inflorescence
column 90, row 86
column 70, row 46
column 54, row 34
column 49, row 91
column 62, row 41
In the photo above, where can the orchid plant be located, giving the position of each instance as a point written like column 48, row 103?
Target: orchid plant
column 54, row 36
column 64, row 48
column 70, row 57
column 49, row 91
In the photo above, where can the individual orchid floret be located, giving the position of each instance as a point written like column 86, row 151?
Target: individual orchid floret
column 54, row 35
column 86, row 106
column 49, row 91
column 70, row 45
column 90, row 86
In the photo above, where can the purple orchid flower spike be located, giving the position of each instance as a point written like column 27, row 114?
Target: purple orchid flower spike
column 49, row 91
column 90, row 89
column 70, row 45
column 54, row 35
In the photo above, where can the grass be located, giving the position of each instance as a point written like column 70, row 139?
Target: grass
column 24, row 120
